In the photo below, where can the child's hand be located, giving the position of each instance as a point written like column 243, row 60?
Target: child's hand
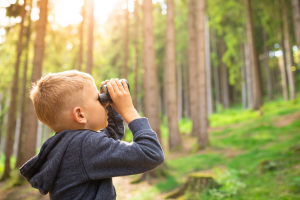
column 122, row 101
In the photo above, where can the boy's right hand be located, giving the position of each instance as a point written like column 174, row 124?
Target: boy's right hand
column 122, row 101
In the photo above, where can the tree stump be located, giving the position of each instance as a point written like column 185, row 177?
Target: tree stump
column 196, row 183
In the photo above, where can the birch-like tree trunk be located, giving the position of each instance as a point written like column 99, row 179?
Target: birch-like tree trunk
column 224, row 77
column 170, row 70
column 89, row 65
column 216, row 72
column 81, row 36
column 267, row 67
column 200, row 32
column 193, row 72
column 179, row 89
column 136, row 50
column 288, row 51
column 296, row 21
column 257, row 100
column 208, row 69
column 23, row 105
column 248, row 74
column 244, row 80
column 150, row 82
column 31, row 130
column 283, row 78
column 126, row 40
column 13, row 103
column 186, row 104
column 281, row 61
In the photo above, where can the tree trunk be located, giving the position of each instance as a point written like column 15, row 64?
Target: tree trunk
column 23, row 108
column 89, row 65
column 81, row 36
column 136, row 49
column 216, row 73
column 283, row 78
column 31, row 131
column 2, row 106
column 150, row 82
column 281, row 61
column 208, row 69
column 5, row 119
column 224, row 77
column 186, row 104
column 296, row 21
column 126, row 49
column 170, row 70
column 288, row 51
column 257, row 100
column 13, row 102
column 193, row 73
column 244, row 80
column 179, row 89
column 248, row 74
column 267, row 67
column 200, row 32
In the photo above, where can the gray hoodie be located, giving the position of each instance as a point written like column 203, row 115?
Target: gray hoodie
column 80, row 164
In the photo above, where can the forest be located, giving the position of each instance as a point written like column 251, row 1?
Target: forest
column 219, row 82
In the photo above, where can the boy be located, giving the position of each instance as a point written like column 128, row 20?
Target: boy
column 78, row 162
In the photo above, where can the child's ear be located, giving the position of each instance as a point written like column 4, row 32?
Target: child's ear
column 79, row 115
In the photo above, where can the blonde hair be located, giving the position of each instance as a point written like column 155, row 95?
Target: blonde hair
column 56, row 93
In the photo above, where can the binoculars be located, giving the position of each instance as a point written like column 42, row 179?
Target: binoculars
column 104, row 96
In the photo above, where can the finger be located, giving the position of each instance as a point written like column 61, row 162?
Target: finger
column 126, row 89
column 115, row 86
column 110, row 89
column 120, row 86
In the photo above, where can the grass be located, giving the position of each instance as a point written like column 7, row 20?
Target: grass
column 259, row 140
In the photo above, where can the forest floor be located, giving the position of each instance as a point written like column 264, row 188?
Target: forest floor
column 254, row 155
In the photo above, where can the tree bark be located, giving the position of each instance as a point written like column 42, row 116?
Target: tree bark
column 150, row 82
column 179, row 89
column 248, row 74
column 296, row 21
column 200, row 32
column 216, row 73
column 23, row 105
column 244, row 80
column 257, row 100
column 136, row 49
column 170, row 70
column 267, row 67
column 81, row 36
column 288, row 51
column 208, row 69
column 126, row 39
column 193, row 72
column 281, row 61
column 224, row 77
column 31, row 131
column 283, row 78
column 186, row 104
column 13, row 101
column 89, row 65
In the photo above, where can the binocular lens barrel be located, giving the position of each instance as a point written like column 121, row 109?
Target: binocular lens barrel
column 104, row 97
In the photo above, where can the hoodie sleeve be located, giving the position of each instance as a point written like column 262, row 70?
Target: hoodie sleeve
column 105, row 157
column 110, row 129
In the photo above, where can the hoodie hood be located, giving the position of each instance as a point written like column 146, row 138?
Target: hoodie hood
column 41, row 170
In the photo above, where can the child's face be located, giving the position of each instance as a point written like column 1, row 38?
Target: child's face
column 95, row 113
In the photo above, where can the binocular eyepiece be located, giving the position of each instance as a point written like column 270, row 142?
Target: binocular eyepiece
column 104, row 96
